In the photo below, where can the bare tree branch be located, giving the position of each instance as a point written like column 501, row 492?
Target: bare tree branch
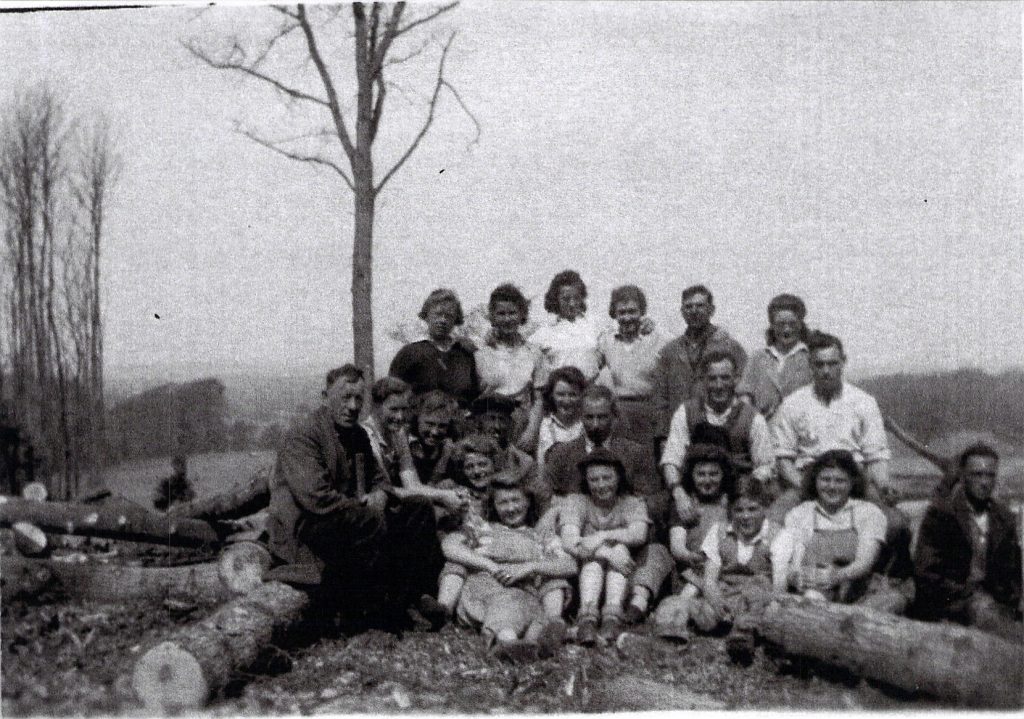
column 469, row 114
column 328, row 82
column 240, row 66
column 378, row 107
column 425, row 19
column 274, row 146
column 390, row 33
column 411, row 55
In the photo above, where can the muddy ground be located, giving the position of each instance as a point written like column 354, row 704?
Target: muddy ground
column 62, row 658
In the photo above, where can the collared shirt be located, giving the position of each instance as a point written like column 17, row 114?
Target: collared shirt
column 780, row 549
column 805, row 427
column 762, row 453
column 631, row 364
column 858, row 514
column 507, row 370
column 570, row 344
column 781, row 358
column 771, row 376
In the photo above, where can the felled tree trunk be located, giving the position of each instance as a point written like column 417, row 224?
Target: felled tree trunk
column 947, row 661
column 182, row 672
column 115, row 522
column 236, row 503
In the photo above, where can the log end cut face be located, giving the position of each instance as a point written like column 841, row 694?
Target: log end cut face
column 169, row 680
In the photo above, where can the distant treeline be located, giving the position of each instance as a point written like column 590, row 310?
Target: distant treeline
column 935, row 405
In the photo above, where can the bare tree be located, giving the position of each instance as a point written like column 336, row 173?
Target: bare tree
column 379, row 35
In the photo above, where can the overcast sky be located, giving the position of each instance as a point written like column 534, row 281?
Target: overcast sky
column 866, row 156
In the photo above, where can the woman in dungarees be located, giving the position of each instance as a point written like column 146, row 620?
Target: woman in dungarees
column 839, row 537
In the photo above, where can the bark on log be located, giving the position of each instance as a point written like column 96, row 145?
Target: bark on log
column 114, row 522
column 947, row 661
column 182, row 672
column 236, row 503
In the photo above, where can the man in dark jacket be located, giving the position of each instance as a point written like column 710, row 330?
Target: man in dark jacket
column 334, row 524
column 968, row 565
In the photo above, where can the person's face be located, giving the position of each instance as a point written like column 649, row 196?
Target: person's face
column 566, row 398
column 720, row 384
column 979, row 476
column 395, row 412
column 603, row 483
column 505, row 318
column 441, row 320
column 570, row 301
column 478, row 469
column 511, row 505
column 785, row 329
column 497, row 425
column 827, row 370
column 346, row 401
column 433, row 428
column 628, row 314
column 597, row 419
column 697, row 311
column 707, row 479
column 833, row 486
column 747, row 517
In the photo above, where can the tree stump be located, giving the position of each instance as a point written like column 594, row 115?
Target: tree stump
column 947, row 661
column 182, row 672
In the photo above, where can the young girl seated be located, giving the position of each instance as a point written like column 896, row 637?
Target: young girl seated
column 748, row 560
column 556, row 418
column 511, row 579
column 604, row 528
column 708, row 478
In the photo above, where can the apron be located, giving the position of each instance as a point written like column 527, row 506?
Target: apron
column 834, row 548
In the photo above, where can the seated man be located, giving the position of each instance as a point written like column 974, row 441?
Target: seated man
column 493, row 415
column 388, row 426
column 334, row 524
column 434, row 430
column 968, row 564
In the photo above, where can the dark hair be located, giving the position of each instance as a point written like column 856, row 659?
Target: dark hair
column 834, row 459
column 388, row 387
column 747, row 487
column 439, row 296
column 624, row 294
column 477, row 444
column 978, row 449
column 602, row 457
column 715, row 356
column 569, row 374
column 601, row 393
column 348, row 371
column 791, row 303
column 510, row 293
column 698, row 290
column 565, row 278
column 817, row 341
column 436, row 400
column 700, row 453
column 490, row 403
column 507, row 481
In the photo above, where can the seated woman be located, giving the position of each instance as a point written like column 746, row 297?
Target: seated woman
column 511, row 579
column 839, row 537
column 748, row 561
column 557, row 417
column 606, row 530
column 476, row 459
column 631, row 357
column 439, row 362
column 708, row 478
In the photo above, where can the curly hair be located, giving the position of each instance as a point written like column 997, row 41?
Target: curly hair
column 570, row 375
column 791, row 303
column 601, row 457
column 508, row 292
column 388, row 387
column 834, row 459
column 625, row 293
column 476, row 443
column 565, row 278
column 349, row 372
column 436, row 401
column 818, row 341
column 701, row 453
column 438, row 297
column 747, row 487
column 505, row 481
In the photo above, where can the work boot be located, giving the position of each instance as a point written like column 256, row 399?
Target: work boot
column 634, row 615
column 611, row 627
column 586, row 631
column 551, row 638
column 739, row 645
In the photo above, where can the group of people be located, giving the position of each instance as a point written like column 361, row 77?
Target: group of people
column 597, row 471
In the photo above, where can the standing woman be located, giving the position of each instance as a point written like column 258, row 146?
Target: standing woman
column 631, row 358
column 572, row 340
column 784, row 364
column 440, row 361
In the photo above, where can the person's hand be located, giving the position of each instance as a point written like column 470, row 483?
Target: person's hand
column 619, row 560
column 689, row 515
column 590, row 544
column 646, row 325
column 375, row 501
column 510, row 574
column 454, row 500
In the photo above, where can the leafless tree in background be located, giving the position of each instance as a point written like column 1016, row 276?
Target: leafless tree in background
column 55, row 177
column 381, row 36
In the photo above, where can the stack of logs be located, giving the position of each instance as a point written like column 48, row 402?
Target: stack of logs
column 182, row 672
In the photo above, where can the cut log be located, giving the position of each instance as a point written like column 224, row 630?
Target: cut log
column 182, row 672
column 242, row 565
column 236, row 503
column 29, row 539
column 35, row 492
column 947, row 661
column 115, row 522
column 23, row 579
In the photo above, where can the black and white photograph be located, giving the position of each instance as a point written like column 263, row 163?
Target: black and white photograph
column 511, row 357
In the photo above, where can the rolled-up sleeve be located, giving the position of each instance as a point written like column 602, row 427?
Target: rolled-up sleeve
column 762, row 450
column 783, row 434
